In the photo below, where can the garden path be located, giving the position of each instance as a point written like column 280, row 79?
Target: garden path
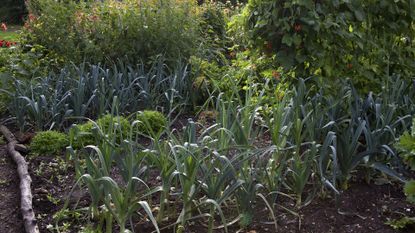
column 10, row 217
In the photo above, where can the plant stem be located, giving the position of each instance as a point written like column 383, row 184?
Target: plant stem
column 160, row 214
column 211, row 219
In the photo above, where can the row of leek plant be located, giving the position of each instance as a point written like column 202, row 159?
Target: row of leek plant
column 220, row 172
column 88, row 90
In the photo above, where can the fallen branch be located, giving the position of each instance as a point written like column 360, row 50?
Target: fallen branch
column 28, row 214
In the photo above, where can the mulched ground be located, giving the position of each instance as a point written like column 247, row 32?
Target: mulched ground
column 10, row 217
column 367, row 206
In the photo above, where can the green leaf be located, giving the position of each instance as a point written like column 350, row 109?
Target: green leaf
column 287, row 39
column 359, row 15
column 402, row 223
column 409, row 190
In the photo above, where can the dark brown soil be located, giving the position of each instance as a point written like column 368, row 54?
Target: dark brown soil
column 10, row 216
column 366, row 208
column 363, row 208
column 52, row 183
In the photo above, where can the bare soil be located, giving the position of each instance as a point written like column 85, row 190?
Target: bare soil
column 363, row 208
column 10, row 216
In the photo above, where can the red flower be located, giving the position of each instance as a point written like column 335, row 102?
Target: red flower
column 349, row 66
column 4, row 43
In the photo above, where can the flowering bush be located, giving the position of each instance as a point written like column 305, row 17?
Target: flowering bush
column 106, row 31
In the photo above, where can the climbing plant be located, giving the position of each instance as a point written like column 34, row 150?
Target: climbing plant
column 366, row 39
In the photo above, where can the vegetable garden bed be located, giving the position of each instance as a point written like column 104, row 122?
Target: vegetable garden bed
column 363, row 208
column 174, row 116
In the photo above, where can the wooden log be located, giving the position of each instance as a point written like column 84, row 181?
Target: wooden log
column 28, row 214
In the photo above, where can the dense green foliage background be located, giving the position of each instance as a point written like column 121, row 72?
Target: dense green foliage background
column 365, row 40
column 12, row 11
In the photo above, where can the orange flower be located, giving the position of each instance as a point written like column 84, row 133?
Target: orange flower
column 3, row 26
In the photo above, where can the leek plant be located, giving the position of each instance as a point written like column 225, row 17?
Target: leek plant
column 88, row 90
column 279, row 127
column 121, row 199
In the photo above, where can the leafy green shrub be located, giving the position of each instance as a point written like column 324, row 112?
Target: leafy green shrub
column 409, row 190
column 28, row 62
column 406, row 145
column 118, row 124
column 367, row 40
column 401, row 223
column 105, row 31
column 49, row 142
column 214, row 31
column 82, row 135
column 245, row 68
column 151, row 122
